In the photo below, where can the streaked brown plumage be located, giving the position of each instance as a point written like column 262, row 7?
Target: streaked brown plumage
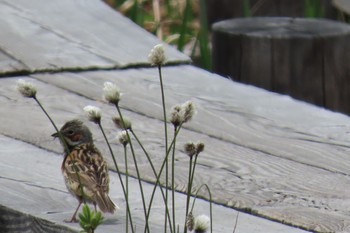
column 85, row 160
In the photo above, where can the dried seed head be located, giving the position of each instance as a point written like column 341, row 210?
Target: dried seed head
column 188, row 111
column 26, row 89
column 123, row 138
column 176, row 117
column 111, row 93
column 93, row 113
column 182, row 113
column 201, row 224
column 157, row 55
column 118, row 122
column 200, row 147
column 190, row 149
column 190, row 221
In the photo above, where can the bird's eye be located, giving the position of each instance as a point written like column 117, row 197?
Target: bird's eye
column 70, row 132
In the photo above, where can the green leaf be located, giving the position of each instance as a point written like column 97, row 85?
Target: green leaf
column 82, row 218
column 87, row 211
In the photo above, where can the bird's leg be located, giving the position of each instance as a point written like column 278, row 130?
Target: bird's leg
column 73, row 219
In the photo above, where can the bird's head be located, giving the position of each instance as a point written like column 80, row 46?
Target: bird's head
column 74, row 133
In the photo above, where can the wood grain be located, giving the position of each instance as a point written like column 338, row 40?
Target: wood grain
column 266, row 154
column 275, row 156
column 22, row 189
column 54, row 36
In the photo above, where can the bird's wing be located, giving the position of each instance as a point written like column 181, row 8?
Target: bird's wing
column 88, row 163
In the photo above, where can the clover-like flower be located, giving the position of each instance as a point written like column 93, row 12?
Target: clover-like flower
column 157, row 55
column 111, row 93
column 93, row 113
column 201, row 224
column 26, row 89
column 123, row 137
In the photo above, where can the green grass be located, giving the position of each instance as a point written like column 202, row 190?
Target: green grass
column 182, row 23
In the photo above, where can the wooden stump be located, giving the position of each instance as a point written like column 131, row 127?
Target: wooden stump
column 218, row 10
column 308, row 59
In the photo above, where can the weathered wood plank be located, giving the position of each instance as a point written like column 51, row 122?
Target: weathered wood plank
column 67, row 35
column 42, row 194
column 245, row 115
column 264, row 144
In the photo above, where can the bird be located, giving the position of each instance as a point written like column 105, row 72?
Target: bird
column 84, row 169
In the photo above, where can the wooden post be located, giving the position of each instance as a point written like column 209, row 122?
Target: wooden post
column 305, row 58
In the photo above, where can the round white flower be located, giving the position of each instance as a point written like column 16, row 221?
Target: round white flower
column 93, row 113
column 111, row 92
column 157, row 55
column 27, row 89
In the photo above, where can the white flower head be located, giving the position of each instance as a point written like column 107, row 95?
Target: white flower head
column 27, row 89
column 111, row 92
column 201, row 224
column 123, row 137
column 93, row 113
column 157, row 55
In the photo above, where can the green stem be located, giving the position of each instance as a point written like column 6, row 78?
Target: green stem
column 183, row 29
column 166, row 143
column 173, row 180
column 136, row 166
column 210, row 204
column 157, row 183
column 119, row 174
column 126, row 187
column 161, row 170
column 188, row 190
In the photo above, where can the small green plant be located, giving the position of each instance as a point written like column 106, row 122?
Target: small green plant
column 89, row 220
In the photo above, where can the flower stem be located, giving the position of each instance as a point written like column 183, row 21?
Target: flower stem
column 157, row 183
column 189, row 188
column 166, row 142
column 119, row 175
column 136, row 167
column 161, row 170
column 126, row 188
column 173, row 180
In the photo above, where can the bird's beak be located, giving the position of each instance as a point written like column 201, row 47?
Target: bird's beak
column 55, row 135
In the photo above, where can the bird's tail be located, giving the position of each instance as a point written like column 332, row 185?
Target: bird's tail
column 105, row 203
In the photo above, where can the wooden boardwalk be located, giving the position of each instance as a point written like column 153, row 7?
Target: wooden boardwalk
column 266, row 154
